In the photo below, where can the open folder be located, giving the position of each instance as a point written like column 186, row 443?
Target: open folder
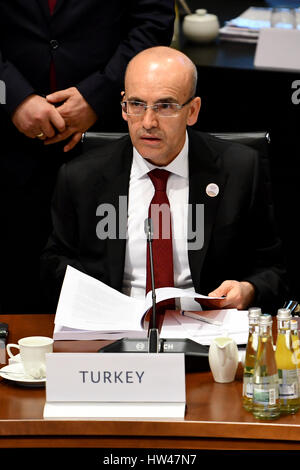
column 89, row 309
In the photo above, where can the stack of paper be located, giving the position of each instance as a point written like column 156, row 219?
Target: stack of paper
column 246, row 27
column 89, row 309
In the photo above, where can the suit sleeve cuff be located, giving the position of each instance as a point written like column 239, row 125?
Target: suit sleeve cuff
column 17, row 88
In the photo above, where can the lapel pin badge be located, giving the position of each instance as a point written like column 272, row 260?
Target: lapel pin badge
column 212, row 190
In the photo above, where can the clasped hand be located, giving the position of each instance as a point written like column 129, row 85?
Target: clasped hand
column 38, row 117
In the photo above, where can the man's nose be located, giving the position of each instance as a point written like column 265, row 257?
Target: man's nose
column 150, row 118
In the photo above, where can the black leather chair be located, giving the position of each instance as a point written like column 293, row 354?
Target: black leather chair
column 258, row 140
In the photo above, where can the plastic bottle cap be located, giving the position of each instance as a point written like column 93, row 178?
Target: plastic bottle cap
column 265, row 319
column 254, row 312
column 284, row 314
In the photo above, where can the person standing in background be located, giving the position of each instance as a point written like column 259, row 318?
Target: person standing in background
column 63, row 64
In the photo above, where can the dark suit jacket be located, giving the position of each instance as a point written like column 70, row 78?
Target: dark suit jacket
column 240, row 240
column 90, row 42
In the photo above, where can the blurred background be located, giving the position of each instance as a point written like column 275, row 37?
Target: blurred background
column 238, row 97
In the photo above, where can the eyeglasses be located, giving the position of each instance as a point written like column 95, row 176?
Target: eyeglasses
column 138, row 108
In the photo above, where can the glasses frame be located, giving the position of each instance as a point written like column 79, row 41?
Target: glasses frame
column 154, row 107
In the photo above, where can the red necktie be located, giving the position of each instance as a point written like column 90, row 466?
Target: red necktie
column 53, row 87
column 159, row 211
column 52, row 4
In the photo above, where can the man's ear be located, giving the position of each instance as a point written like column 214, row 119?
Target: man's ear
column 124, row 115
column 194, row 110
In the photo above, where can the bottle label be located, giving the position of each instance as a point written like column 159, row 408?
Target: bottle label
column 264, row 396
column 288, row 384
column 266, row 393
column 248, row 387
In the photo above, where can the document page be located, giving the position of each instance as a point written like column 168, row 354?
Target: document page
column 87, row 304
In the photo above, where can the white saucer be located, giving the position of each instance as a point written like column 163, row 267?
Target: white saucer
column 16, row 374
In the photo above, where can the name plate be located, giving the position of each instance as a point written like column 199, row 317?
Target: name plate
column 115, row 385
column 278, row 49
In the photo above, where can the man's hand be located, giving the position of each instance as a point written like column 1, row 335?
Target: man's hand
column 238, row 295
column 77, row 114
column 35, row 116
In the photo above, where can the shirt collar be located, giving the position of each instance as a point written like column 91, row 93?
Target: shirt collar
column 178, row 166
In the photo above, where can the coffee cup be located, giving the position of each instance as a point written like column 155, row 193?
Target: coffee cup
column 33, row 350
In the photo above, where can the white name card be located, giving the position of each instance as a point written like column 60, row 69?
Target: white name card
column 82, row 385
column 278, row 48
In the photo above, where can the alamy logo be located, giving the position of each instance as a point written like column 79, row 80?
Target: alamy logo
column 2, row 92
column 113, row 222
column 296, row 94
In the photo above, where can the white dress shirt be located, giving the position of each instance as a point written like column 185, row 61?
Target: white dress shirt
column 141, row 192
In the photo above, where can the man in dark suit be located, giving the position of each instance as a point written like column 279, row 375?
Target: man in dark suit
column 62, row 64
column 239, row 253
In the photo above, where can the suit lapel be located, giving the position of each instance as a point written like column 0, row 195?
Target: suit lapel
column 204, row 169
column 112, row 190
column 44, row 6
column 58, row 6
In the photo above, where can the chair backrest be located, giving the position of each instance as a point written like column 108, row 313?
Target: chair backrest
column 91, row 140
column 257, row 140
